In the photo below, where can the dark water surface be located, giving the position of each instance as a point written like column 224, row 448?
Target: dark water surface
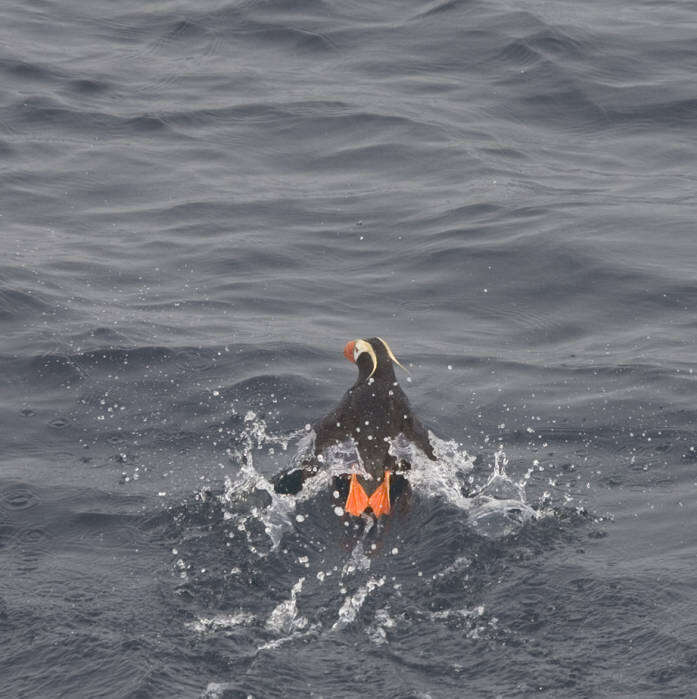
column 201, row 202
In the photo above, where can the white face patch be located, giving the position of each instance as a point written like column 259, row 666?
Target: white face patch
column 362, row 346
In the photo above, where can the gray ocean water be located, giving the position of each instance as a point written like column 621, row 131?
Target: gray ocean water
column 202, row 202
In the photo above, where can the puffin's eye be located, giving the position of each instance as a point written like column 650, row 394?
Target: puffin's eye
column 355, row 354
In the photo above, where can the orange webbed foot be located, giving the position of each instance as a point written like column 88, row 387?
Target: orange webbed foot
column 380, row 499
column 357, row 500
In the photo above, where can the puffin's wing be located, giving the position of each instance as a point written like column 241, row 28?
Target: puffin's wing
column 326, row 431
column 290, row 482
column 415, row 432
column 331, row 429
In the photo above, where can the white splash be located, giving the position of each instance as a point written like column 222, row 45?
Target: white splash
column 498, row 497
column 336, row 460
column 357, row 562
column 278, row 516
column 442, row 477
column 377, row 631
column 217, row 690
column 477, row 625
column 353, row 603
column 284, row 618
column 500, row 503
column 285, row 621
column 220, row 622
column 460, row 613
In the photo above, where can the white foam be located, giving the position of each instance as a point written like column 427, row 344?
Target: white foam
column 479, row 625
column 278, row 515
column 377, row 631
column 216, row 690
column 353, row 603
column 440, row 478
column 500, row 503
column 358, row 561
column 220, row 622
column 286, row 622
column 284, row 619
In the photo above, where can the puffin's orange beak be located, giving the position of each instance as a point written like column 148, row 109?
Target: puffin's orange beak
column 348, row 350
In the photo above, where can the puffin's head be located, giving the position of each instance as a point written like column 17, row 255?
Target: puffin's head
column 373, row 357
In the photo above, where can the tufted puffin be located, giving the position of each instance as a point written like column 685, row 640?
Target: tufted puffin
column 371, row 413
